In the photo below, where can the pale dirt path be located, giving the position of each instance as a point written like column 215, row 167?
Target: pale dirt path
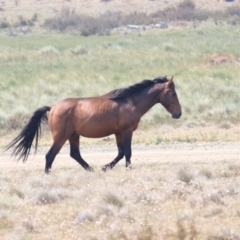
column 142, row 154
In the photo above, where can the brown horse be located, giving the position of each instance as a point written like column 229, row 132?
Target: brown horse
column 117, row 112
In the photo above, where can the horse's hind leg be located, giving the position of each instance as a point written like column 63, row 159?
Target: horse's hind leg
column 50, row 156
column 119, row 156
column 75, row 153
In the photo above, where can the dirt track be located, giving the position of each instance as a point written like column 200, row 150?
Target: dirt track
column 142, row 154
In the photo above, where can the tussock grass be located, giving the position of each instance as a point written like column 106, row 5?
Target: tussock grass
column 225, row 125
column 17, row 192
column 85, row 216
column 48, row 51
column 47, row 197
column 185, row 175
column 79, row 50
column 112, row 199
column 27, row 226
column 213, row 196
column 6, row 223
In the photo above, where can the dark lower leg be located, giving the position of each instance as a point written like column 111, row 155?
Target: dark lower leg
column 50, row 156
column 119, row 156
column 116, row 160
column 127, row 140
column 75, row 153
column 128, row 154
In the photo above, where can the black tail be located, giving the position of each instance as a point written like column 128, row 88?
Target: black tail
column 23, row 142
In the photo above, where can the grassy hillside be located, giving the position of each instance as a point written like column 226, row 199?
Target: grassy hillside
column 41, row 69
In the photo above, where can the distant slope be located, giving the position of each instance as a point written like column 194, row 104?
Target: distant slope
column 11, row 10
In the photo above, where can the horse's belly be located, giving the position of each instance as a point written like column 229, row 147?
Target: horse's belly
column 96, row 130
column 95, row 133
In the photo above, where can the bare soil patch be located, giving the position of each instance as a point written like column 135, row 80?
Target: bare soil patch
column 223, row 59
column 99, row 155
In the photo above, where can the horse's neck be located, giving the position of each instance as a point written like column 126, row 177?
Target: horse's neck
column 147, row 99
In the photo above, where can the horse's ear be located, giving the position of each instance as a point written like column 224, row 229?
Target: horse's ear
column 170, row 82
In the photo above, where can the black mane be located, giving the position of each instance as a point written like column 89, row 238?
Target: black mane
column 121, row 93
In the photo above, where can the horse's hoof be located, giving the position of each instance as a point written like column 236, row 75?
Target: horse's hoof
column 129, row 168
column 90, row 169
column 47, row 171
column 105, row 168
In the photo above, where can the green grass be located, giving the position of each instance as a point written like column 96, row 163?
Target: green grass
column 41, row 69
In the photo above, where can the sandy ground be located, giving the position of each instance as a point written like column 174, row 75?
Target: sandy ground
column 98, row 155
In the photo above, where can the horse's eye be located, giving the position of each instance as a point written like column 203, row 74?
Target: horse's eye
column 174, row 94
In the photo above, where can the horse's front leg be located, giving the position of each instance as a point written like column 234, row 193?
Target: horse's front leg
column 119, row 156
column 124, row 142
column 127, row 141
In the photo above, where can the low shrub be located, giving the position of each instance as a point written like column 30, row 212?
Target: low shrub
column 234, row 10
column 137, row 18
column 62, row 21
column 185, row 11
column 48, row 51
column 15, row 122
column 4, row 24
column 79, row 50
column 85, row 25
column 187, row 4
column 47, row 197
column 69, row 20
column 22, row 22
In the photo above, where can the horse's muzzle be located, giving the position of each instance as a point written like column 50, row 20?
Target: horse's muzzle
column 176, row 115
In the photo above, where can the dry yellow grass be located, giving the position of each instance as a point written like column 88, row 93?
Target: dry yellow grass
column 160, row 198
column 160, row 134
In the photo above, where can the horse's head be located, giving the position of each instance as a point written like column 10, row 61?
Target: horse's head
column 169, row 99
